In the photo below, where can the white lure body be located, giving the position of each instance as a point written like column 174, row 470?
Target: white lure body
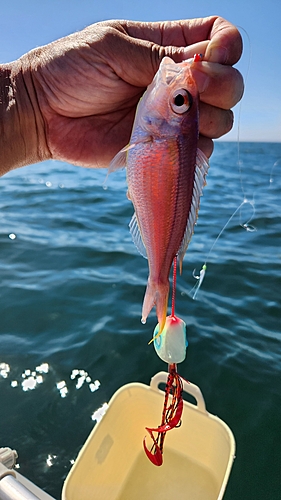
column 172, row 343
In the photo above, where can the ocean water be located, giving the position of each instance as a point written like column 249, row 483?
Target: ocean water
column 71, row 291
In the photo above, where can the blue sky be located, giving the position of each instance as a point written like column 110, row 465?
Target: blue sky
column 25, row 24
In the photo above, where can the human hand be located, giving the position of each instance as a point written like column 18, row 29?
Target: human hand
column 86, row 86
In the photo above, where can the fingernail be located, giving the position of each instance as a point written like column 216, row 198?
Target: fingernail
column 216, row 54
column 201, row 78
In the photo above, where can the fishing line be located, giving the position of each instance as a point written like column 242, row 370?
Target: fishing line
column 174, row 286
column 245, row 225
column 276, row 164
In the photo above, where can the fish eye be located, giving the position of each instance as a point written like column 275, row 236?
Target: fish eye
column 181, row 101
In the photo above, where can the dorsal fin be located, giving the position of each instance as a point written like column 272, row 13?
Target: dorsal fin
column 136, row 235
column 201, row 170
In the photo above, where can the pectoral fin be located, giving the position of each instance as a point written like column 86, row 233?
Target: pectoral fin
column 119, row 160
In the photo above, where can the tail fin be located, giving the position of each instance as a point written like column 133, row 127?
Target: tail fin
column 156, row 295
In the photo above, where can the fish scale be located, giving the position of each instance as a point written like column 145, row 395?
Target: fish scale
column 156, row 203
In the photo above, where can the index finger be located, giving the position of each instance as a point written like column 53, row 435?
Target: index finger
column 225, row 45
column 225, row 42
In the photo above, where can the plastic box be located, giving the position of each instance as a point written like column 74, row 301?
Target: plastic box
column 112, row 465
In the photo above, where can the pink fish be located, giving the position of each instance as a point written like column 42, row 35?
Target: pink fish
column 165, row 174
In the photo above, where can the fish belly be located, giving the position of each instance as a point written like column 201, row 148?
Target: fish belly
column 160, row 178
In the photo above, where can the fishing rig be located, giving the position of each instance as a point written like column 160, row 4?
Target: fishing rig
column 171, row 348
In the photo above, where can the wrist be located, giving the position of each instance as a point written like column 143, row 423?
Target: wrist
column 22, row 127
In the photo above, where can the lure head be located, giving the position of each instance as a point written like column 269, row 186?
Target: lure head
column 172, row 343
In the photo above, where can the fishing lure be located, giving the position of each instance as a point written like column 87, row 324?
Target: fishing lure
column 245, row 225
column 171, row 416
column 170, row 346
column 200, row 278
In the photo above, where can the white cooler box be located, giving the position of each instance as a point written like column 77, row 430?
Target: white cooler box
column 112, row 464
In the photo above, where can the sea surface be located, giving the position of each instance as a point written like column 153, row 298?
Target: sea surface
column 71, row 290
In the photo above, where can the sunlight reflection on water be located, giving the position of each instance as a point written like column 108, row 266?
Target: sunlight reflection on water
column 32, row 379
